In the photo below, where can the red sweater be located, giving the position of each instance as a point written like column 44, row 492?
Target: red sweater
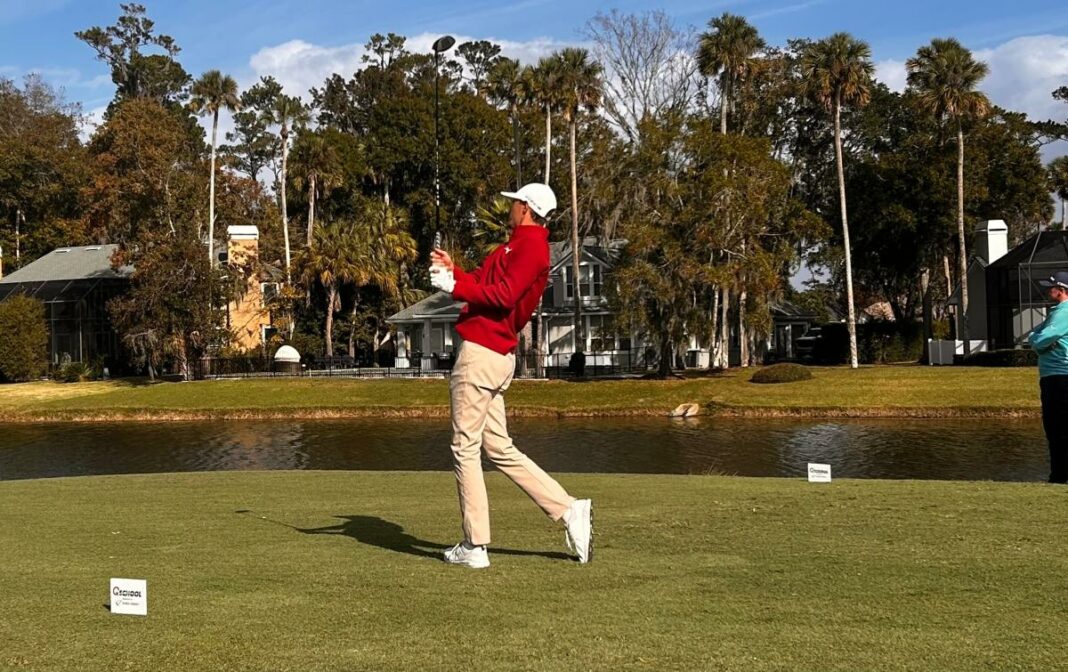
column 502, row 294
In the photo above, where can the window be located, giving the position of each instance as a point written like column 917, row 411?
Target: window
column 269, row 290
column 606, row 336
column 589, row 280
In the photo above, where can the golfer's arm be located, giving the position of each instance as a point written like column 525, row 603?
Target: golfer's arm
column 1053, row 330
column 461, row 275
column 503, row 294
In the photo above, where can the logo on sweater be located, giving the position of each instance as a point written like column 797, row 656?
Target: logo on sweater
column 507, row 249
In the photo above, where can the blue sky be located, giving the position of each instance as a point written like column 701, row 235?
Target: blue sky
column 1025, row 42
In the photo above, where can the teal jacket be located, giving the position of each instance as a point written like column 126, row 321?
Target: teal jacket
column 1050, row 341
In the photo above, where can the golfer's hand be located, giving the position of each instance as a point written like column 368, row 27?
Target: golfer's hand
column 441, row 278
column 440, row 257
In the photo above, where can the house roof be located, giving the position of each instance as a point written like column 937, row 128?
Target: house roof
column 70, row 263
column 607, row 253
column 438, row 305
column 1045, row 247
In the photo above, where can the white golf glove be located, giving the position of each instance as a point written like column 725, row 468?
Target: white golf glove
column 442, row 278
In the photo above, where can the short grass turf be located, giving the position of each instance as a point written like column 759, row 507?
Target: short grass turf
column 891, row 390
column 340, row 571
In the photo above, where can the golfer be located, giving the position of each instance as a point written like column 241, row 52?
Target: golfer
column 501, row 297
column 1050, row 341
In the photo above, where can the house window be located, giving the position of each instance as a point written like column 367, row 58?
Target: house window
column 269, row 291
column 606, row 336
column 589, row 280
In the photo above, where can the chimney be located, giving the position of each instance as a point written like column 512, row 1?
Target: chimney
column 991, row 240
column 247, row 316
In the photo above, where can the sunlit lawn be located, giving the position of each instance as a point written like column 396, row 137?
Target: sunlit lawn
column 896, row 390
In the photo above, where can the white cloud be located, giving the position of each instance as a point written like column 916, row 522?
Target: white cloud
column 90, row 121
column 1025, row 71
column 892, row 73
column 298, row 65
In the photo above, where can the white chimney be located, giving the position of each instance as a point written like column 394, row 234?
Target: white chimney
column 991, row 240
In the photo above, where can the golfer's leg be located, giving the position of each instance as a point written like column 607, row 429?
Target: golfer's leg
column 470, row 403
column 539, row 486
column 1055, row 422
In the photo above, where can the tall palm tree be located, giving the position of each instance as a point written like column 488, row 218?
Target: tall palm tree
column 837, row 71
column 944, row 76
column 725, row 52
column 541, row 88
column 317, row 167
column 288, row 112
column 331, row 262
column 580, row 86
column 1058, row 182
column 504, row 85
column 383, row 249
column 211, row 93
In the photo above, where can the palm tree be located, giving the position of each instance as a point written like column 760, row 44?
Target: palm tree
column 504, row 85
column 288, row 112
column 579, row 84
column 214, row 91
column 945, row 76
column 837, row 71
column 317, row 167
column 725, row 52
column 541, row 88
column 331, row 262
column 1058, row 182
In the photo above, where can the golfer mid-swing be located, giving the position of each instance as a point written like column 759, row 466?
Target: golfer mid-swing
column 501, row 297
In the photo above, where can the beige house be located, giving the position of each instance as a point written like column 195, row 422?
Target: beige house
column 248, row 317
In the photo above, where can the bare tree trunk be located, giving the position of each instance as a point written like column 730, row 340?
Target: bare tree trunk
column 723, row 339
column 723, row 109
column 928, row 321
column 352, row 329
column 963, row 253
column 518, row 153
column 282, row 195
column 667, row 353
column 548, row 139
column 311, row 209
column 743, row 334
column 331, row 299
column 20, row 219
column 539, row 364
column 576, row 249
column 852, row 315
column 211, row 190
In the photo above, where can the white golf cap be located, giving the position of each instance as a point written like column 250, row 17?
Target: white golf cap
column 538, row 196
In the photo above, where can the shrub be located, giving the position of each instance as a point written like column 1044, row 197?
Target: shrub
column 781, row 373
column 1002, row 358
column 878, row 342
column 74, row 372
column 23, row 339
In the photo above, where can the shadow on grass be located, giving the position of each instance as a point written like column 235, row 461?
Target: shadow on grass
column 374, row 531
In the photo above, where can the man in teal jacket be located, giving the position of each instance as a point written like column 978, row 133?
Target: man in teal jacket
column 1050, row 341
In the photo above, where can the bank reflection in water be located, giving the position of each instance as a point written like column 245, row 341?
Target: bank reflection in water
column 927, row 449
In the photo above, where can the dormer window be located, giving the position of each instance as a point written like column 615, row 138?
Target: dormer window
column 589, row 280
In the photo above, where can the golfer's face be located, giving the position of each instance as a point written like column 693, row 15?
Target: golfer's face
column 515, row 216
column 1057, row 294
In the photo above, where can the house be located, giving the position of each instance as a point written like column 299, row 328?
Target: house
column 76, row 283
column 427, row 338
column 1005, row 301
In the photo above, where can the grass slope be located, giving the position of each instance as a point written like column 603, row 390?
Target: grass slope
column 690, row 573
column 871, row 391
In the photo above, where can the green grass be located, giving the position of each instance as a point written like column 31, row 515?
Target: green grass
column 889, row 390
column 690, row 573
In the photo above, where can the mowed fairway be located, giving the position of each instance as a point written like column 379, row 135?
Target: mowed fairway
column 339, row 571
column 885, row 391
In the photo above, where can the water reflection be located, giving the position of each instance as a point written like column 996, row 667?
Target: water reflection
column 930, row 449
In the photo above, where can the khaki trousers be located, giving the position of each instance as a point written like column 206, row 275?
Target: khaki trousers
column 479, row 378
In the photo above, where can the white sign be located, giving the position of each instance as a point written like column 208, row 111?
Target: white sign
column 129, row 596
column 819, row 473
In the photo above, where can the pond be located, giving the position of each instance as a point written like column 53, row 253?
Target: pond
column 1013, row 450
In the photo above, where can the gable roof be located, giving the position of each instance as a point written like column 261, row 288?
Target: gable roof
column 71, row 263
column 437, row 305
column 592, row 247
column 1043, row 247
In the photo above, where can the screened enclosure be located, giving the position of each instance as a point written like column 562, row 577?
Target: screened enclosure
column 1016, row 303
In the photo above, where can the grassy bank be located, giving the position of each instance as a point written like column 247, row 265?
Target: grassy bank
column 892, row 391
column 341, row 573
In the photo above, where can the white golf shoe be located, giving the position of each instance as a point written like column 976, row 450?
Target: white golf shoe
column 475, row 558
column 579, row 523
